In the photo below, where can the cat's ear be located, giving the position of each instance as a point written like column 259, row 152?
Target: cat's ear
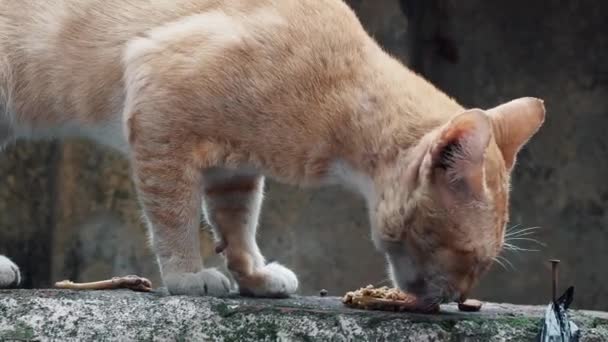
column 458, row 153
column 514, row 123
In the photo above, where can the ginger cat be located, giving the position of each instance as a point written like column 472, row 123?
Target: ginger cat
column 208, row 97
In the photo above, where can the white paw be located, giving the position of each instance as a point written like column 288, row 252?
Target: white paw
column 273, row 280
column 9, row 273
column 208, row 282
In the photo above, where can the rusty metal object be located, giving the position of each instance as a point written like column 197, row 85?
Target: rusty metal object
column 554, row 276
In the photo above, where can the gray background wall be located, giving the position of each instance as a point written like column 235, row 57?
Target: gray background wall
column 67, row 210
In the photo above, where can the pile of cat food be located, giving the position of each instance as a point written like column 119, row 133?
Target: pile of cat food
column 392, row 299
column 386, row 299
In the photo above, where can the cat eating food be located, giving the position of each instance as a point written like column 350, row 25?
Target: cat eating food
column 392, row 299
column 208, row 98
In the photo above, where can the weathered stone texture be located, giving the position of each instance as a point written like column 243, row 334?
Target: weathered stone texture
column 127, row 316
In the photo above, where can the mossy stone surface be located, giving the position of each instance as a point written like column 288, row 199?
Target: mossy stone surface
column 123, row 315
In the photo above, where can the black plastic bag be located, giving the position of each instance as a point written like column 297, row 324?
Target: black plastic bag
column 556, row 325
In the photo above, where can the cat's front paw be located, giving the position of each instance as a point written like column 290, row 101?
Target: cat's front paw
column 272, row 280
column 207, row 282
column 9, row 273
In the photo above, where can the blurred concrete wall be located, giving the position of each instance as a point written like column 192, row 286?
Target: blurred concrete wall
column 67, row 210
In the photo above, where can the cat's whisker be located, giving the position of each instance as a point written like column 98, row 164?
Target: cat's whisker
column 514, row 248
column 521, row 231
column 507, row 246
column 522, row 234
column 525, row 239
column 500, row 263
column 531, row 230
column 513, row 227
column 505, row 260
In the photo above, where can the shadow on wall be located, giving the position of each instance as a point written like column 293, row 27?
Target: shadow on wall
column 68, row 210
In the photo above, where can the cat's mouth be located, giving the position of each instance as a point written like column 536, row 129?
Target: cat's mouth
column 442, row 299
column 431, row 289
column 431, row 293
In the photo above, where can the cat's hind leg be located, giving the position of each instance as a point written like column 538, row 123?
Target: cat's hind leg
column 9, row 273
column 232, row 202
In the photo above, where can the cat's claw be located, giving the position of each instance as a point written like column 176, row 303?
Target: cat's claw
column 207, row 282
column 272, row 280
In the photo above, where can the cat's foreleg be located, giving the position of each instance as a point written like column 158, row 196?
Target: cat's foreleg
column 232, row 203
column 169, row 190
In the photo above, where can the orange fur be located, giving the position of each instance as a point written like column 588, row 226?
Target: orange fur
column 212, row 94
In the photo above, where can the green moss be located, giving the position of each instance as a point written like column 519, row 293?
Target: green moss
column 259, row 331
column 598, row 322
column 447, row 325
column 373, row 322
column 521, row 322
column 265, row 329
column 223, row 310
column 304, row 337
column 20, row 332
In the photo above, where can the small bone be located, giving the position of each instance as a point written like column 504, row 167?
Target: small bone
column 131, row 282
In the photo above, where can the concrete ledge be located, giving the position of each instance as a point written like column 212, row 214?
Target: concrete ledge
column 126, row 315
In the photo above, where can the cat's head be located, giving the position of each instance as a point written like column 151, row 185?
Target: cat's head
column 440, row 215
